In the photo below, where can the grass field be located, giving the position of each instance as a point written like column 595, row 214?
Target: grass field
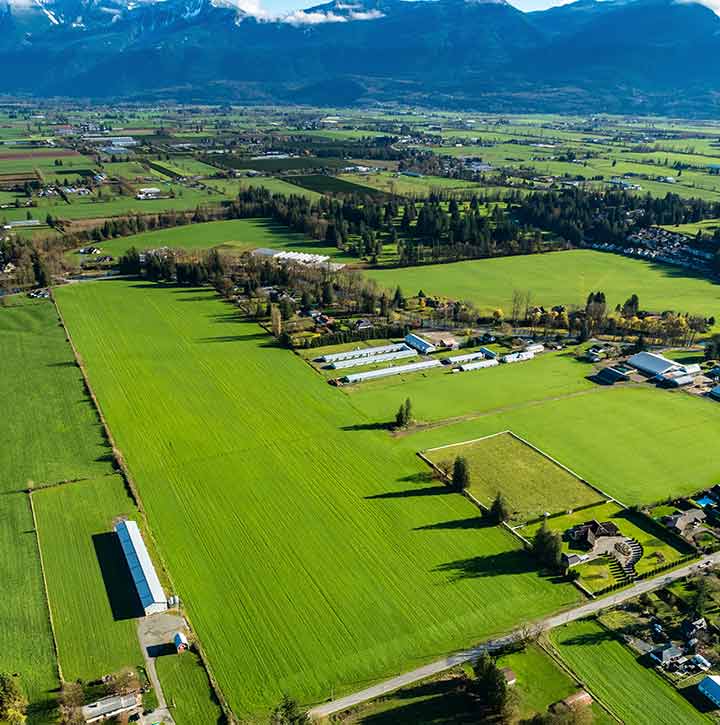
column 618, row 439
column 233, row 235
column 51, row 415
column 87, row 578
column 634, row 693
column 531, row 483
column 311, row 552
column 559, row 278
column 187, row 689
column 439, row 394
column 26, row 645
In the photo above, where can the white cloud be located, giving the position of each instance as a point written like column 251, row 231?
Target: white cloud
column 302, row 17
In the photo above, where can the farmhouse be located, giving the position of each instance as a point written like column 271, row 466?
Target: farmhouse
column 587, row 534
column 422, row 346
column 666, row 654
column 110, row 707
column 681, row 521
column 710, row 687
column 143, row 572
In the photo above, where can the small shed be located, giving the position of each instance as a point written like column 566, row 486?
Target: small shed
column 578, row 700
column 509, row 675
column 180, row 642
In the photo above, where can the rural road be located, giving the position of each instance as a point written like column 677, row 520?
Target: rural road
column 435, row 668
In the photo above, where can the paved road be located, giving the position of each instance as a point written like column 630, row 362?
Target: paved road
column 435, row 668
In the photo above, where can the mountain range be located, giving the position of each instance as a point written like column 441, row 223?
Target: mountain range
column 612, row 55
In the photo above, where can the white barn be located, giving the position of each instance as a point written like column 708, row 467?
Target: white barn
column 141, row 567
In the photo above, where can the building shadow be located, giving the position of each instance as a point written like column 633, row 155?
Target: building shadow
column 119, row 585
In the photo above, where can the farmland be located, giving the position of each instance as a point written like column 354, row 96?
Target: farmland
column 233, row 458
column 612, row 672
column 559, row 278
column 88, row 584
column 531, row 484
column 186, row 687
column 646, row 424
column 332, row 185
column 233, row 235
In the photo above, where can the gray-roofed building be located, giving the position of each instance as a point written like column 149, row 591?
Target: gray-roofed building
column 650, row 364
column 110, row 707
column 143, row 572
column 666, row 654
column 681, row 521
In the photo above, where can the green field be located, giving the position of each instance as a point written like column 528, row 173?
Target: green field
column 323, row 184
column 51, row 415
column 530, row 483
column 187, row 690
column 634, row 693
column 616, row 438
column 311, row 552
column 233, row 235
column 86, row 576
column 439, row 394
column 559, row 278
column 26, row 645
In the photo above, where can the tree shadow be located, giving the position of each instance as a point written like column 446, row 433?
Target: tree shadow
column 367, row 426
column 590, row 638
column 413, row 492
column 477, row 522
column 504, row 563
column 119, row 585
column 64, row 364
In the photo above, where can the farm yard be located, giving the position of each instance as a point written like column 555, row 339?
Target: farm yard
column 531, row 483
column 209, row 448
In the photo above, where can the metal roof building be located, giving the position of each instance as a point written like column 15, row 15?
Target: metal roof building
column 355, row 362
column 467, row 367
column 422, row 346
column 464, row 358
column 360, row 352
column 710, row 687
column 651, row 364
column 517, row 357
column 143, row 572
column 385, row 372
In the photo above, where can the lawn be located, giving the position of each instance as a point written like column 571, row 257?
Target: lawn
column 26, row 645
column 312, row 553
column 530, row 483
column 233, row 235
column 438, row 394
column 53, row 433
column 623, row 440
column 634, row 693
column 87, row 577
column 187, row 690
column 559, row 278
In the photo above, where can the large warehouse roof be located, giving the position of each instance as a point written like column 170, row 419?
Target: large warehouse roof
column 143, row 572
column 651, row 364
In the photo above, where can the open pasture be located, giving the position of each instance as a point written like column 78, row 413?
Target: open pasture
column 235, row 235
column 531, row 483
column 312, row 553
column 26, row 644
column 439, row 394
column 52, row 417
column 622, row 440
column 91, row 593
column 633, row 693
column 559, row 278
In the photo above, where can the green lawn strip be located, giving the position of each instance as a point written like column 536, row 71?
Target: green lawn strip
column 559, row 278
column 618, row 439
column 26, row 643
column 51, row 431
column 531, row 483
column 635, row 693
column 311, row 552
column 85, row 573
column 187, row 689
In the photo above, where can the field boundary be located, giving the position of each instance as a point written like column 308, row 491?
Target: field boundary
column 45, row 588
column 130, row 484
